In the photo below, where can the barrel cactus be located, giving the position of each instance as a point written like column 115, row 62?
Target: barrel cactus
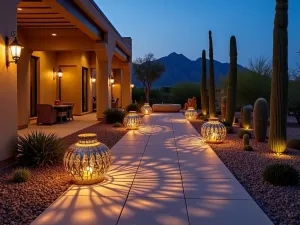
column 223, row 108
column 203, row 91
column 246, row 139
column 260, row 119
column 232, row 82
column 212, row 106
column 280, row 79
column 246, row 117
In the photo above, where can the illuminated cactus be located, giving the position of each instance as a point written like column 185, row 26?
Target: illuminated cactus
column 232, row 82
column 203, row 91
column 279, row 90
column 212, row 107
column 246, row 117
column 260, row 119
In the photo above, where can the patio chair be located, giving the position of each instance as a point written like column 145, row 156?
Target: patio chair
column 46, row 114
column 70, row 112
column 114, row 104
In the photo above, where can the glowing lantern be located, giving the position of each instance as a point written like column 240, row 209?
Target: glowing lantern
column 88, row 160
column 132, row 121
column 190, row 113
column 213, row 131
column 146, row 109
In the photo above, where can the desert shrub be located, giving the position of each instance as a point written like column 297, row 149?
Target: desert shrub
column 242, row 132
column 247, row 148
column 229, row 130
column 117, row 124
column 293, row 143
column 114, row 116
column 21, row 175
column 40, row 149
column 281, row 174
column 133, row 107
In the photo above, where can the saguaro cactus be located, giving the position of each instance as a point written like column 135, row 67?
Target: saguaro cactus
column 260, row 119
column 203, row 91
column 223, row 107
column 212, row 107
column 232, row 82
column 279, row 90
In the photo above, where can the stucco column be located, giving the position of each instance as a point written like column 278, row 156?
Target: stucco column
column 8, row 83
column 126, row 85
column 23, row 89
column 103, row 96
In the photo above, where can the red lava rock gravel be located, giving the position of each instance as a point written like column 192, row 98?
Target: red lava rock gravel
column 281, row 204
column 22, row 203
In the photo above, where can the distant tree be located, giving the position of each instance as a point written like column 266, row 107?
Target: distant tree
column 148, row 70
column 261, row 65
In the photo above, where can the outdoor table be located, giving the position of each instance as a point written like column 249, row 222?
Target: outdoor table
column 62, row 109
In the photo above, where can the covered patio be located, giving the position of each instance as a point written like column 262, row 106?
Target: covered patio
column 71, row 53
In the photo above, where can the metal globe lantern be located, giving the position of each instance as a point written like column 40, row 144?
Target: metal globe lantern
column 190, row 113
column 88, row 160
column 146, row 109
column 213, row 131
column 132, row 121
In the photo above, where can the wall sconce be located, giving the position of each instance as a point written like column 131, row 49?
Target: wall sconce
column 111, row 80
column 59, row 73
column 132, row 85
column 93, row 79
column 15, row 48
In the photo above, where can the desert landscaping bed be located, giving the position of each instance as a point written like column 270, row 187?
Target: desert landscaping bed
column 21, row 203
column 281, row 204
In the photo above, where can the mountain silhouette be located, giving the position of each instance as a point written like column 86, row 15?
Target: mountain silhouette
column 180, row 69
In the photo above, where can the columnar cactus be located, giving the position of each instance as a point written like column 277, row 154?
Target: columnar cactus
column 232, row 82
column 246, row 139
column 279, row 90
column 246, row 117
column 223, row 107
column 203, row 91
column 212, row 107
column 260, row 119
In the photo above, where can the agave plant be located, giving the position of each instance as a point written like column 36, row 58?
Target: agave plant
column 39, row 149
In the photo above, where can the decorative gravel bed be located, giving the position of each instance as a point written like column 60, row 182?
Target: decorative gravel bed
column 281, row 204
column 22, row 203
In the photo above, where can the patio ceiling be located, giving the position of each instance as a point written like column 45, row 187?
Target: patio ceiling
column 37, row 14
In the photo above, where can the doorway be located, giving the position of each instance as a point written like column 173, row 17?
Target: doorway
column 84, row 89
column 33, row 85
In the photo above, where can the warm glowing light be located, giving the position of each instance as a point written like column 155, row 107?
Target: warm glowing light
column 213, row 131
column 88, row 160
column 190, row 113
column 19, row 9
column 132, row 85
column 113, row 85
column 15, row 48
column 60, row 73
column 146, row 109
column 54, row 35
column 112, row 80
column 93, row 79
column 132, row 121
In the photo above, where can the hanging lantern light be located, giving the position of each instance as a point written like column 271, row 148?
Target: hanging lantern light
column 146, row 109
column 93, row 79
column 213, row 131
column 60, row 73
column 88, row 160
column 190, row 113
column 132, row 121
column 15, row 48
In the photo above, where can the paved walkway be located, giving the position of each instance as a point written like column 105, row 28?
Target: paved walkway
column 163, row 174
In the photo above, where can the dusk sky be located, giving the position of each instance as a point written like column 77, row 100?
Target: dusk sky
column 166, row 26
